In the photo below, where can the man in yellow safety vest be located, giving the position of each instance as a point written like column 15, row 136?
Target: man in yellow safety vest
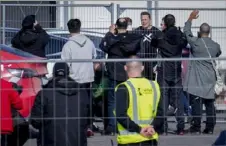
column 137, row 102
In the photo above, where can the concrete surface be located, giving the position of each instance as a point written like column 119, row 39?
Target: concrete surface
column 168, row 140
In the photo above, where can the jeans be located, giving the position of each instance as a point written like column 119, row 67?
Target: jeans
column 186, row 102
column 111, row 103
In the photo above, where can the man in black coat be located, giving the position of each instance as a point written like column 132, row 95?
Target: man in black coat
column 148, row 51
column 31, row 38
column 170, row 43
column 59, row 111
column 118, row 44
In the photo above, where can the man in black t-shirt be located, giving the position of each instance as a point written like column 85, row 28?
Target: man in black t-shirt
column 147, row 30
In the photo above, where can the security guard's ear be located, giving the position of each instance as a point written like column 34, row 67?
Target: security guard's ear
column 125, row 68
column 142, row 68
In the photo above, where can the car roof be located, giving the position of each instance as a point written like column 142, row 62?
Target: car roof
column 17, row 52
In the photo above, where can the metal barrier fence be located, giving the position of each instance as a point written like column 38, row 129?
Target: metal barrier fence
column 36, row 72
column 98, row 17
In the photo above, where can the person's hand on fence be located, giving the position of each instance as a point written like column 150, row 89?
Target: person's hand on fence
column 194, row 15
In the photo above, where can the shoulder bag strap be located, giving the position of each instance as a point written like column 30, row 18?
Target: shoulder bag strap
column 214, row 65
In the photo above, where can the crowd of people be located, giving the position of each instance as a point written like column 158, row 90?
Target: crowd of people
column 139, row 94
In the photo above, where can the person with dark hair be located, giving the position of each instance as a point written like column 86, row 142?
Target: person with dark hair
column 120, row 45
column 170, row 43
column 80, row 46
column 129, row 23
column 201, row 76
column 31, row 38
column 169, row 21
column 146, row 30
column 60, row 109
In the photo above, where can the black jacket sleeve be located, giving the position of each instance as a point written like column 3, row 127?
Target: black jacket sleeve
column 107, row 42
column 159, row 119
column 43, row 35
column 37, row 112
column 122, row 104
column 16, row 41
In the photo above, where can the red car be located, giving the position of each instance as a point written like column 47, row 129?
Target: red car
column 28, row 75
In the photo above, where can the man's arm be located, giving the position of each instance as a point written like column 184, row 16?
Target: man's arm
column 187, row 28
column 219, row 50
column 37, row 111
column 107, row 42
column 15, row 99
column 122, row 105
column 66, row 53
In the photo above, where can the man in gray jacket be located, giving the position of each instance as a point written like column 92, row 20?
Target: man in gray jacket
column 80, row 46
column 201, row 77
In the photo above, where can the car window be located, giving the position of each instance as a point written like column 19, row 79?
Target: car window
column 57, row 42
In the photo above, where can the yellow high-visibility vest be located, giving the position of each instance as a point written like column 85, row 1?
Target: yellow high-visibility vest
column 144, row 97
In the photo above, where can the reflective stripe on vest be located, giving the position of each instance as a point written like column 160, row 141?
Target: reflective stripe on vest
column 135, row 114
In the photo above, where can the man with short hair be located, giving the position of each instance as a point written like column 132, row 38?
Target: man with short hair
column 137, row 102
column 201, row 76
column 147, row 30
column 170, row 43
column 80, row 46
column 118, row 44
column 129, row 24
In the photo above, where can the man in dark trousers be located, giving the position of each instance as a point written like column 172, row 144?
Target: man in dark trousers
column 170, row 43
column 137, row 102
column 201, row 76
column 60, row 109
column 31, row 38
column 117, row 43
column 146, row 30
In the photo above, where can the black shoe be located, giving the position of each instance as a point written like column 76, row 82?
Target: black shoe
column 193, row 131
column 95, row 128
column 108, row 131
column 207, row 131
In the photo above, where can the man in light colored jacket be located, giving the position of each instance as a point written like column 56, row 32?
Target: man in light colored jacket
column 201, row 76
column 80, row 46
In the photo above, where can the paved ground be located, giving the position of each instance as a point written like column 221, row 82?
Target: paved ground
column 169, row 140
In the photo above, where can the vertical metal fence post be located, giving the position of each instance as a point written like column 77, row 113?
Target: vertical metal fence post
column 149, row 7
column 156, row 14
column 3, row 24
column 118, row 11
column 112, row 13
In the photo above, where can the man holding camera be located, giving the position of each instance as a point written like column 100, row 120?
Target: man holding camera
column 117, row 43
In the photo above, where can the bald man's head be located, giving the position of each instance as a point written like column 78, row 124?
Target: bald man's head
column 205, row 29
column 134, row 67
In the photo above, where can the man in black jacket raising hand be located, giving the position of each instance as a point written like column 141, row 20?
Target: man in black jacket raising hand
column 118, row 43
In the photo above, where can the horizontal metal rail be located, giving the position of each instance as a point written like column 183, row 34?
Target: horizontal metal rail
column 58, row 5
column 165, row 8
column 113, row 60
